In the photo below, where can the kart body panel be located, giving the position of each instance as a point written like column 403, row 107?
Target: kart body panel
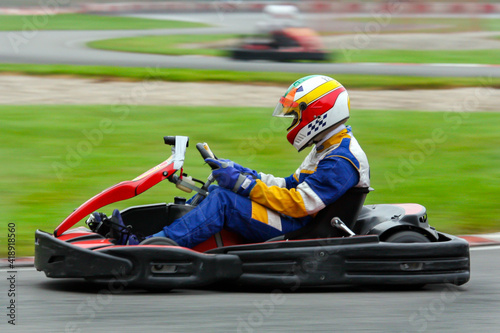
column 358, row 260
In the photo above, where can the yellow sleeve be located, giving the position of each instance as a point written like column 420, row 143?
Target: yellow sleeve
column 295, row 202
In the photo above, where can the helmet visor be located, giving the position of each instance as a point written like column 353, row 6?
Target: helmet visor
column 286, row 106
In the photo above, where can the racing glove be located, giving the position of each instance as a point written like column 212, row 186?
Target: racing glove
column 241, row 169
column 229, row 177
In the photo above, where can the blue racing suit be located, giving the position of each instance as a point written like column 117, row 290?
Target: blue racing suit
column 278, row 205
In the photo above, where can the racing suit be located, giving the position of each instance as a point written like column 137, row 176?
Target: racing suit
column 276, row 205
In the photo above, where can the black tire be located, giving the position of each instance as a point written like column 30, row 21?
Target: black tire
column 407, row 236
column 158, row 241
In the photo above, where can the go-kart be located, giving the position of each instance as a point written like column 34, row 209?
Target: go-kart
column 346, row 243
column 288, row 44
column 283, row 37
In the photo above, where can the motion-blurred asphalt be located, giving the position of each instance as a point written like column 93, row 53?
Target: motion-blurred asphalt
column 51, row 305
column 68, row 47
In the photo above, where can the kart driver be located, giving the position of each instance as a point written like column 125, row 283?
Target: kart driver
column 260, row 206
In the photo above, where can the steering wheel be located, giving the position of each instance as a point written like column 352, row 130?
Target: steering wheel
column 205, row 152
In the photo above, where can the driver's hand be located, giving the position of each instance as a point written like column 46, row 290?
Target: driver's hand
column 242, row 169
column 229, row 177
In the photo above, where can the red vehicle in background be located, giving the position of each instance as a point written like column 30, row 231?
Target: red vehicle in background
column 284, row 38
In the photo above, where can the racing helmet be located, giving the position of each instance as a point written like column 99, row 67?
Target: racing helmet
column 317, row 103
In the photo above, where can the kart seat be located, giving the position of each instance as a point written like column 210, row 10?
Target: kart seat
column 347, row 208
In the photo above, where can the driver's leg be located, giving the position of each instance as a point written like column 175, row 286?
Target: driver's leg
column 223, row 208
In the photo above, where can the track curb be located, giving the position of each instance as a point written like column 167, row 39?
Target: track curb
column 482, row 240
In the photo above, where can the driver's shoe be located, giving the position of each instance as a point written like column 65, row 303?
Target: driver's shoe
column 97, row 223
column 122, row 234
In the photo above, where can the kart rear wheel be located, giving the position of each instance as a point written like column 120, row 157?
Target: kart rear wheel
column 407, row 236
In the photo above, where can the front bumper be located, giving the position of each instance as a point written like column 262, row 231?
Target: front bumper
column 148, row 266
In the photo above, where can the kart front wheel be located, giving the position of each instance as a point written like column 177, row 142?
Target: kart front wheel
column 407, row 236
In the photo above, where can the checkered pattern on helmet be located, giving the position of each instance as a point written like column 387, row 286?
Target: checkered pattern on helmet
column 317, row 124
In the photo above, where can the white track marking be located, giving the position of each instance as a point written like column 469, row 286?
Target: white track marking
column 20, row 269
column 485, row 247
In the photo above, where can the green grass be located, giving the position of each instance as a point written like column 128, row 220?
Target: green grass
column 171, row 44
column 275, row 78
column 86, row 22
column 491, row 25
column 175, row 45
column 51, row 164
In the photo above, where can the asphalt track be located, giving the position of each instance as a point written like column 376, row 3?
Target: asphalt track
column 68, row 47
column 50, row 305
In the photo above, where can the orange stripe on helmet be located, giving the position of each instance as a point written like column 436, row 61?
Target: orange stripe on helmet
column 287, row 101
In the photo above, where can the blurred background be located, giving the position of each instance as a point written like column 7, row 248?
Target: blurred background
column 89, row 88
